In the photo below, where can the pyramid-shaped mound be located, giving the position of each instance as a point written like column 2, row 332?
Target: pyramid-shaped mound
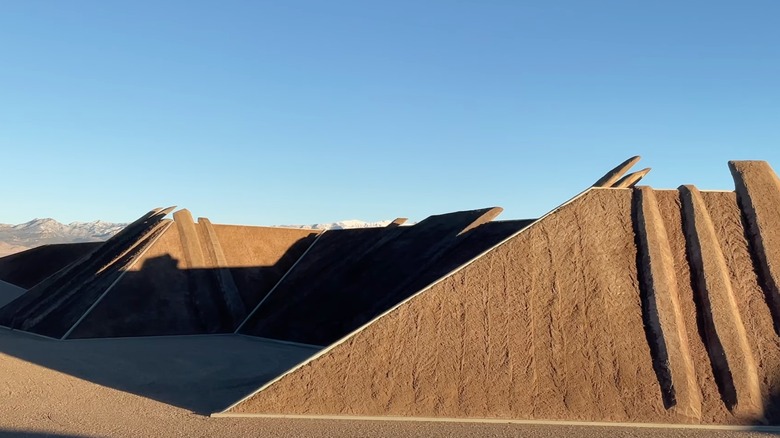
column 30, row 267
column 350, row 276
column 55, row 304
column 197, row 278
column 160, row 277
column 633, row 305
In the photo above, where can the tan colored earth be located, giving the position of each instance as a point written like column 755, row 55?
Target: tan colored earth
column 40, row 402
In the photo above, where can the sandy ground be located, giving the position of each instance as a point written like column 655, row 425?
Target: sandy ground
column 40, row 402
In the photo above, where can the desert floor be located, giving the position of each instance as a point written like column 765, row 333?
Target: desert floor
column 42, row 397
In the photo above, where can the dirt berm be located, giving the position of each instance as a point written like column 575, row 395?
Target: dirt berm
column 587, row 314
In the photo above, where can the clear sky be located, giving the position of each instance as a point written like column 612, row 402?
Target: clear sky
column 282, row 112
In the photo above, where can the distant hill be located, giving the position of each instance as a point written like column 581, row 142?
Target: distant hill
column 37, row 232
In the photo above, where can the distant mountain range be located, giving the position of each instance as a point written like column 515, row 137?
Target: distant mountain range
column 37, row 232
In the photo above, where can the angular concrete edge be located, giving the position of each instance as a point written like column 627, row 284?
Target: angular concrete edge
column 664, row 315
column 485, row 218
column 158, row 231
column 726, row 338
column 135, row 229
column 211, row 242
column 613, row 175
column 758, row 193
column 745, row 428
column 193, row 255
column 316, row 239
column 631, row 179
column 225, row 279
column 397, row 222
column 390, row 310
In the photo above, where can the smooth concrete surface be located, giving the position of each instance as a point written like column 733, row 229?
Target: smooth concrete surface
column 201, row 373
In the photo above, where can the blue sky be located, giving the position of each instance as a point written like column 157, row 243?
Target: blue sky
column 283, row 112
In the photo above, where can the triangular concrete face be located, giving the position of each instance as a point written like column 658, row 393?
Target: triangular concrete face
column 546, row 325
column 196, row 278
column 54, row 305
column 560, row 323
column 30, row 267
column 351, row 276
column 153, row 278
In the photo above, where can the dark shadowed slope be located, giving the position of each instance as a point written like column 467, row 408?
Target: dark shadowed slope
column 164, row 293
column 350, row 276
column 9, row 292
column 30, row 267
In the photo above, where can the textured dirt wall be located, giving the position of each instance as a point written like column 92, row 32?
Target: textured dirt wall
column 724, row 332
column 671, row 208
column 259, row 246
column 667, row 332
column 750, row 298
column 350, row 276
column 758, row 192
column 548, row 325
column 554, row 324
column 258, row 257
column 28, row 268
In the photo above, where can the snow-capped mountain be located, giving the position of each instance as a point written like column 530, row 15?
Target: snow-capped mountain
column 37, row 232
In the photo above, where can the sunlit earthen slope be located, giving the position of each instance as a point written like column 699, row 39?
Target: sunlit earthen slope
column 625, row 304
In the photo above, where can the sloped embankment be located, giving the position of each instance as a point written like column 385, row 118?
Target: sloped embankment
column 623, row 305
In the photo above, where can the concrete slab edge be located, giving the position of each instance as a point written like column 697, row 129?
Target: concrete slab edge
column 442, row 278
column 732, row 427
column 279, row 341
column 28, row 333
column 316, row 239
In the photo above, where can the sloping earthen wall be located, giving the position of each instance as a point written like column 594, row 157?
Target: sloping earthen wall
column 557, row 323
column 28, row 268
column 57, row 303
column 167, row 293
column 351, row 276
column 548, row 325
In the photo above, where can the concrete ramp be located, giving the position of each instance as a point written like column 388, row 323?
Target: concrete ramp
column 641, row 305
column 351, row 276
